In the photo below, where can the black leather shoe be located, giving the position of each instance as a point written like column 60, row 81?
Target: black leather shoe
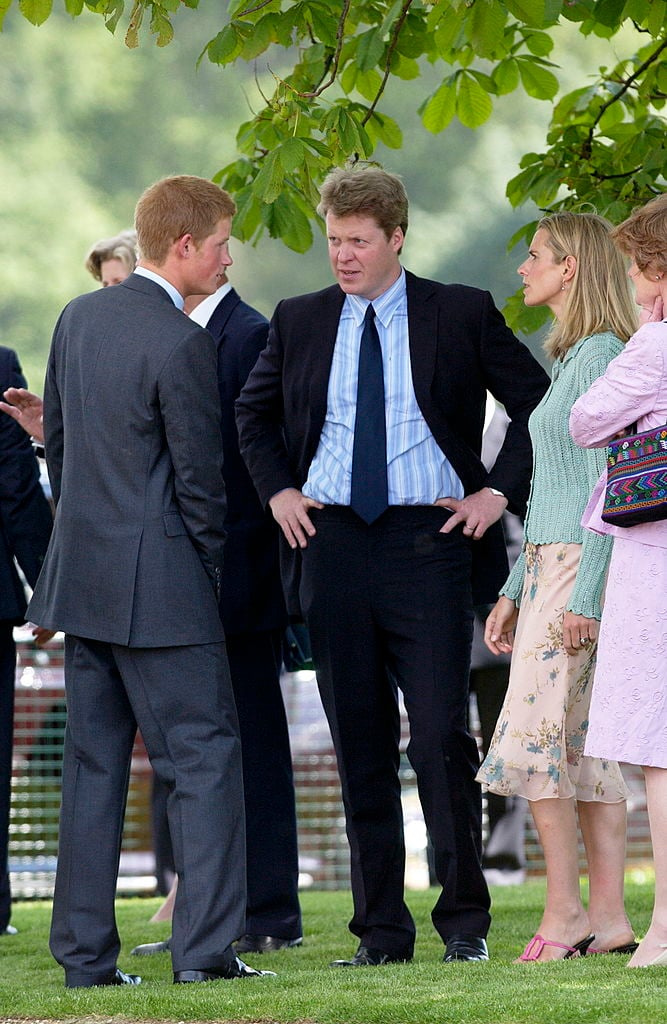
column 117, row 978
column 149, row 948
column 366, row 956
column 264, row 943
column 233, row 969
column 465, row 947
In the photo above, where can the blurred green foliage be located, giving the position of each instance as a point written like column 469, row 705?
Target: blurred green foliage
column 564, row 100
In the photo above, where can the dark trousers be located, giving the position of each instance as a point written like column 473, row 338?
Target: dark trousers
column 181, row 699
column 272, row 860
column 7, row 673
column 392, row 601
column 165, row 869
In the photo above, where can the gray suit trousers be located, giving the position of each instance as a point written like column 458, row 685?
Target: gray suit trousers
column 182, row 701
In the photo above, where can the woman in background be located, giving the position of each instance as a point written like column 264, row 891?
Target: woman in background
column 628, row 716
column 111, row 260
column 553, row 600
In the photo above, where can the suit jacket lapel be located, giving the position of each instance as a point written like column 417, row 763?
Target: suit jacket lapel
column 427, row 332
column 423, row 336
column 221, row 314
column 324, row 341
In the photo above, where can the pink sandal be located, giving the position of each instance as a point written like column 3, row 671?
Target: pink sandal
column 534, row 948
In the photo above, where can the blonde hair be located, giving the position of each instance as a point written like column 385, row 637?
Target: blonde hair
column 176, row 206
column 122, row 246
column 643, row 235
column 599, row 297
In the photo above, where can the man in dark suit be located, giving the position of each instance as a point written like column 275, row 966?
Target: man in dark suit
column 132, row 576
column 25, row 528
column 361, row 425
column 253, row 614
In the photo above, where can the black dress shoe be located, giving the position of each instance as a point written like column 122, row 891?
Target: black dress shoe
column 465, row 947
column 232, row 969
column 366, row 956
column 264, row 943
column 149, row 948
column 118, row 977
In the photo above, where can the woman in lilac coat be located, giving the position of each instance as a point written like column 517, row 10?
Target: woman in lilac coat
column 628, row 714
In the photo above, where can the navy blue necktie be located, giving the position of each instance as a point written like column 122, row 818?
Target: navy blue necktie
column 369, row 454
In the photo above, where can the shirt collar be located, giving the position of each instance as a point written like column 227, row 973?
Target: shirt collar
column 172, row 292
column 203, row 312
column 386, row 305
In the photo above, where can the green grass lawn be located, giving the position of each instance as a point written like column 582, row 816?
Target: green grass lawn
column 596, row 989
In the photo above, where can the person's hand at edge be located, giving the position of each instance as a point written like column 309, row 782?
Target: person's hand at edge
column 291, row 511
column 578, row 632
column 476, row 512
column 499, row 626
column 26, row 408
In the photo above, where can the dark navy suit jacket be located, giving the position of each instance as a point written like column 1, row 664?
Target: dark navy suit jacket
column 460, row 347
column 251, row 598
column 25, row 516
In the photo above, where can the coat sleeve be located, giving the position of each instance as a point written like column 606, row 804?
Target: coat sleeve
column 586, row 596
column 633, row 384
column 516, row 379
column 190, row 407
column 25, row 516
column 53, row 418
column 260, row 419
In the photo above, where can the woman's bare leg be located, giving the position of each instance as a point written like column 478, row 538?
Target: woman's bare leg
column 654, row 944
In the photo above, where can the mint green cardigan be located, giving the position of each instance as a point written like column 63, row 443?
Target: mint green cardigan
column 564, row 475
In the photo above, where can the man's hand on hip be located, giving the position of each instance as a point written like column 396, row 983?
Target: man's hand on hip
column 291, row 511
column 476, row 512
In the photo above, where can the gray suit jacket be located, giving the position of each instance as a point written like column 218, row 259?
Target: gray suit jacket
column 132, row 431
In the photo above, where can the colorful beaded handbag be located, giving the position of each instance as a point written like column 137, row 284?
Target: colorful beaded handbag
column 637, row 479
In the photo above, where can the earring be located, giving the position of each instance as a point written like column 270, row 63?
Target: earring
column 563, row 287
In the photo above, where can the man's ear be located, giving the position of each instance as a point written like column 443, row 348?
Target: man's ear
column 184, row 246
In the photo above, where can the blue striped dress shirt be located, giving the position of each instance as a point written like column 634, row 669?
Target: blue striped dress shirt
column 418, row 471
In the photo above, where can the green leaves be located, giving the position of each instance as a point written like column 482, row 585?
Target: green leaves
column 464, row 94
column 36, row 11
column 325, row 70
column 536, row 79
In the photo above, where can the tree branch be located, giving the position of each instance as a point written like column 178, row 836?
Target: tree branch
column 390, row 50
column 611, row 177
column 340, row 38
column 252, row 10
column 627, row 84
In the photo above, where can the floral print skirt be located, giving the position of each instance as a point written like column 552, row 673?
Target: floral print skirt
column 537, row 750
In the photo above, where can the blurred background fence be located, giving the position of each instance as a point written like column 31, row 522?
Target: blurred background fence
column 323, row 855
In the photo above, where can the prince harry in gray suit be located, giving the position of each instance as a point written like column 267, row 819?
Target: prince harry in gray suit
column 132, row 576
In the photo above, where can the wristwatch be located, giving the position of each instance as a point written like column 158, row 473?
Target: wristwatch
column 498, row 494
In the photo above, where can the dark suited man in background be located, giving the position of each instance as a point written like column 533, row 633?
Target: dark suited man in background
column 132, row 575
column 361, row 425
column 253, row 614
column 25, row 528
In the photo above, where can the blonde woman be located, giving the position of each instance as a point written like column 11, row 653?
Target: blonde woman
column 550, row 607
